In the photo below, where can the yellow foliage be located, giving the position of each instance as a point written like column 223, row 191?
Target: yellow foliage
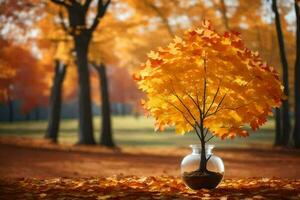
column 210, row 78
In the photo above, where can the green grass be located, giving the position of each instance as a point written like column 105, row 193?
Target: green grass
column 130, row 131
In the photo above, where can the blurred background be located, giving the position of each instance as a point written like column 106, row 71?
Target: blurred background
column 66, row 66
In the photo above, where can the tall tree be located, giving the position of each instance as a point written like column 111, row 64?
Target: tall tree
column 106, row 130
column 82, row 36
column 296, row 133
column 55, row 101
column 286, row 124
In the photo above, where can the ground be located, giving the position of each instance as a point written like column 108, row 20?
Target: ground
column 25, row 157
column 32, row 168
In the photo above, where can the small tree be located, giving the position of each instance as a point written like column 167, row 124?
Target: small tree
column 208, row 82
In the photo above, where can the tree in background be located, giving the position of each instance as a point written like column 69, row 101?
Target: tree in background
column 103, row 57
column 55, row 101
column 56, row 48
column 82, row 34
column 6, row 79
column 106, row 130
column 20, row 77
column 296, row 133
column 285, row 116
column 17, row 60
column 120, row 79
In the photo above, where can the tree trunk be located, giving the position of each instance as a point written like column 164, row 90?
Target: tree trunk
column 278, row 128
column 223, row 9
column 11, row 110
column 296, row 134
column 203, row 160
column 55, row 102
column 85, row 112
column 106, row 130
column 286, row 124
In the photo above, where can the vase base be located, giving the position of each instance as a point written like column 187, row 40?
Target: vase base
column 202, row 180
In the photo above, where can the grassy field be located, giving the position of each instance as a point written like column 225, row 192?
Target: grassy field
column 130, row 131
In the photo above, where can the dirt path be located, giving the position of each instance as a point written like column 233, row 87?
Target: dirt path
column 18, row 159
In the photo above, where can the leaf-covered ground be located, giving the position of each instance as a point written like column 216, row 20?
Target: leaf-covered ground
column 133, row 187
column 155, row 170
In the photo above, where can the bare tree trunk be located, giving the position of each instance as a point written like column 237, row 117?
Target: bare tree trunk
column 55, row 102
column 296, row 133
column 86, row 135
column 203, row 160
column 286, row 124
column 106, row 130
column 223, row 10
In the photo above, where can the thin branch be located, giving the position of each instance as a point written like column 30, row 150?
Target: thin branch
column 101, row 10
column 206, row 133
column 198, row 101
column 228, row 108
column 210, row 138
column 178, row 109
column 197, row 104
column 68, row 3
column 62, row 23
column 86, row 5
column 180, row 100
column 197, row 132
column 204, row 88
column 197, row 94
column 195, row 121
column 220, row 103
column 95, row 66
column 213, row 101
column 208, row 158
column 58, row 2
column 218, row 107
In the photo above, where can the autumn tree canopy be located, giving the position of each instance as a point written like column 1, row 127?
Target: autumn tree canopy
column 209, row 80
column 20, row 76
